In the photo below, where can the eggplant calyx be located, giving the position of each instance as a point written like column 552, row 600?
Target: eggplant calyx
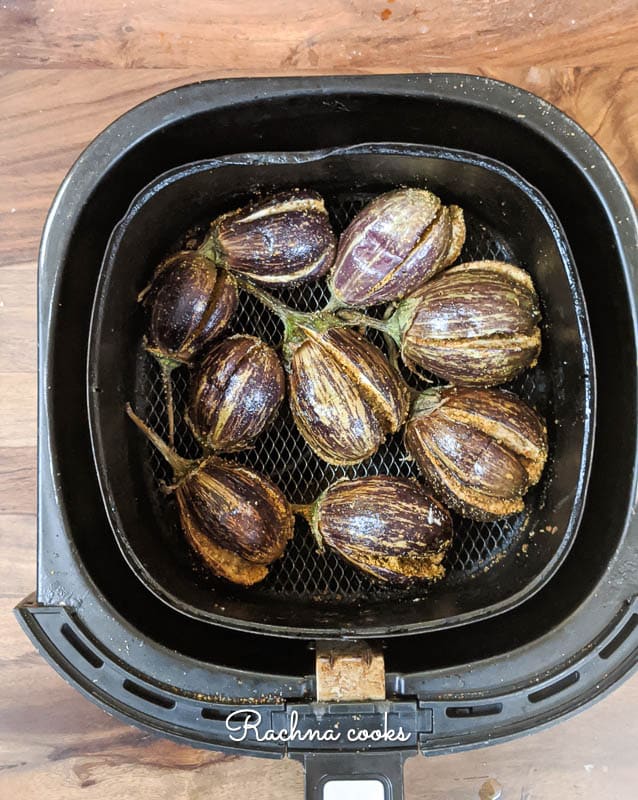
column 310, row 512
column 212, row 249
column 297, row 324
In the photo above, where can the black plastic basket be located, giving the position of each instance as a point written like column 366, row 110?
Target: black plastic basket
column 491, row 566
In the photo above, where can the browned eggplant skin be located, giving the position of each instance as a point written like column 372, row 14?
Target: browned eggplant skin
column 388, row 527
column 344, row 396
column 235, row 393
column 285, row 238
column 480, row 449
column 189, row 304
column 236, row 519
column 476, row 324
column 393, row 246
column 237, row 508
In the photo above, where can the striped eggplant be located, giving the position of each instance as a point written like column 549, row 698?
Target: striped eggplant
column 235, row 519
column 235, row 393
column 282, row 239
column 388, row 527
column 476, row 324
column 393, row 246
column 189, row 303
column 480, row 449
column 344, row 396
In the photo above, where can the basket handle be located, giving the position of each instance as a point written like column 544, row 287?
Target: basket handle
column 354, row 776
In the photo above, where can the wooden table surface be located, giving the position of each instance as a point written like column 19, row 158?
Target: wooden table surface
column 67, row 69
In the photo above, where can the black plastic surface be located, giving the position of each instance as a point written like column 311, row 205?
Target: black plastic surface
column 307, row 595
column 583, row 620
column 430, row 712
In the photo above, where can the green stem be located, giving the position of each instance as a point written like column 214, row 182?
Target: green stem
column 426, row 401
column 388, row 326
column 283, row 311
column 303, row 510
column 393, row 350
column 309, row 512
column 332, row 305
column 296, row 323
column 180, row 466
column 167, row 383
column 211, row 249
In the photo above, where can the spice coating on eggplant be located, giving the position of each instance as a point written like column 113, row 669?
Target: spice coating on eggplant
column 236, row 519
column 344, row 396
column 480, row 449
column 476, row 324
column 393, row 246
column 388, row 527
column 284, row 238
column 235, row 393
column 237, row 508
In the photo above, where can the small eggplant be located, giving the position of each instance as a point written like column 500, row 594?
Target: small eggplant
column 236, row 393
column 476, row 324
column 480, row 449
column 388, row 527
column 189, row 303
column 234, row 518
column 344, row 396
column 393, row 246
column 285, row 238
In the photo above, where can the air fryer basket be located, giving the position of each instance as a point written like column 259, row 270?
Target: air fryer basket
column 491, row 566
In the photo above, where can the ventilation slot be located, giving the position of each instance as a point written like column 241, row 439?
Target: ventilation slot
column 147, row 694
column 623, row 634
column 214, row 713
column 460, row 712
column 554, row 688
column 77, row 644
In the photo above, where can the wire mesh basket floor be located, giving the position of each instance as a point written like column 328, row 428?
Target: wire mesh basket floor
column 281, row 453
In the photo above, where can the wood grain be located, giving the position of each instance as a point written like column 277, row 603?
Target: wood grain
column 67, row 69
column 328, row 36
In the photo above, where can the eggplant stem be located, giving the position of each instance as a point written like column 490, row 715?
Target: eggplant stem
column 302, row 509
column 180, row 466
column 391, row 345
column 332, row 305
column 144, row 292
column 308, row 512
column 283, row 311
column 211, row 249
column 354, row 318
column 167, row 384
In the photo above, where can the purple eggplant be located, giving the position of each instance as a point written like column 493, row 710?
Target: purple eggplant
column 480, row 449
column 189, row 303
column 235, row 393
column 388, row 527
column 393, row 246
column 476, row 324
column 344, row 396
column 235, row 519
column 282, row 239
